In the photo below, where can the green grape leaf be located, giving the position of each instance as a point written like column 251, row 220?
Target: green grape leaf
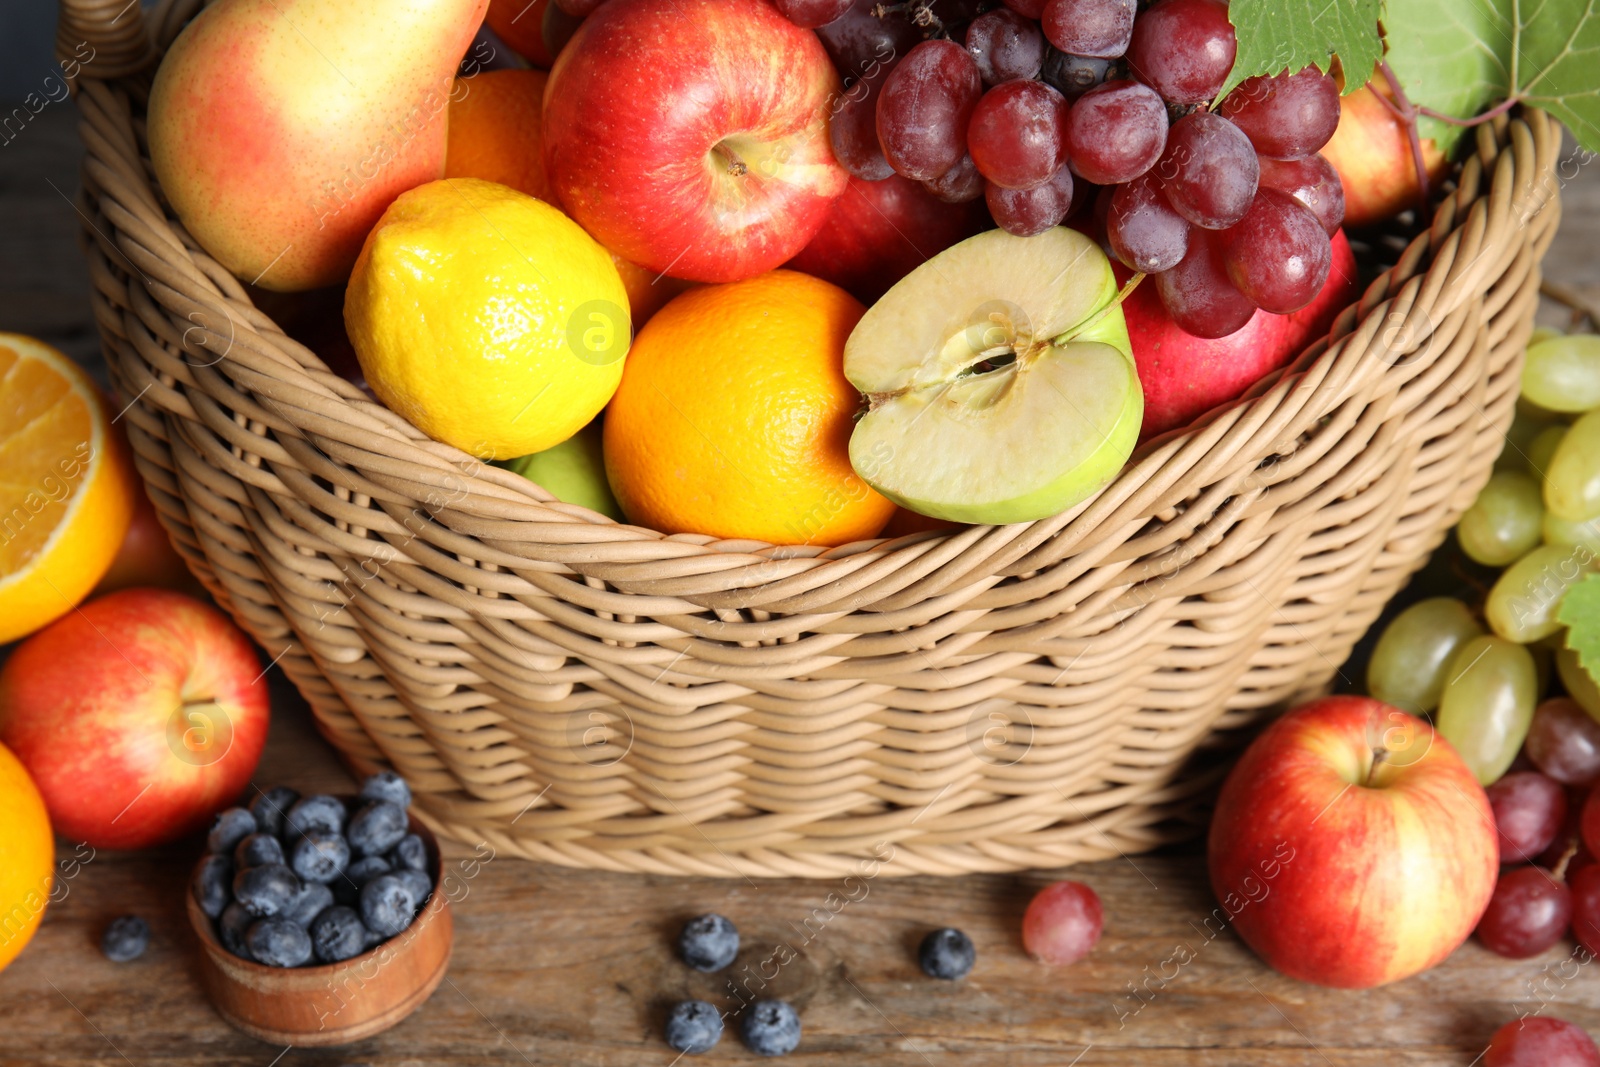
column 1279, row 35
column 1580, row 610
column 1458, row 57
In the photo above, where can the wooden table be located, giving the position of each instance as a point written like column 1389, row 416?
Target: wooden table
column 554, row 966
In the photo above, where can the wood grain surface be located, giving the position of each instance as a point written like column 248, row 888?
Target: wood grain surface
column 556, row 966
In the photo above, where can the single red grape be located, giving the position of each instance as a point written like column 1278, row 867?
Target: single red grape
column 1584, row 884
column 1198, row 294
column 1005, row 46
column 1183, row 49
column 1072, row 76
column 1286, row 116
column 859, row 41
column 1116, row 132
column 1017, row 135
column 853, row 129
column 1313, row 182
column 1541, row 1041
column 1278, row 255
column 810, row 14
column 1529, row 809
column 1100, row 29
column 1026, row 212
column 1529, row 912
column 1062, row 923
column 1589, row 822
column 1209, row 170
column 961, row 184
column 1564, row 742
column 925, row 108
column 1143, row 230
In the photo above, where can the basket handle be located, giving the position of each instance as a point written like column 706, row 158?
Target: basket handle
column 102, row 39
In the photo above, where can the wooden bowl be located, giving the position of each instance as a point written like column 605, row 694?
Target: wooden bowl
column 334, row 1003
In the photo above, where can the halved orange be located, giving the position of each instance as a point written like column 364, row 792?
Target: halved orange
column 67, row 485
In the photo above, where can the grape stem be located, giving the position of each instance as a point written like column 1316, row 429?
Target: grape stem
column 1559, row 872
column 1122, row 295
column 1407, row 113
column 1580, row 306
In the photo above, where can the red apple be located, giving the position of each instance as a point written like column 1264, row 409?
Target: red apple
column 1185, row 376
column 878, row 232
column 140, row 715
column 1371, row 150
column 691, row 136
column 1351, row 846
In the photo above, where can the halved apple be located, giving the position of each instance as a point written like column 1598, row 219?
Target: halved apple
column 1000, row 380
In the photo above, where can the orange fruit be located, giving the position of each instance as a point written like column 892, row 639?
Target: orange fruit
column 733, row 418
column 67, row 486
column 27, row 857
column 496, row 132
column 520, row 24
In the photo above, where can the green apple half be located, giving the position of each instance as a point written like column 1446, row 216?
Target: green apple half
column 1000, row 380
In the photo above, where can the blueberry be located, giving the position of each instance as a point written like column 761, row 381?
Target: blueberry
column 229, row 828
column 347, row 887
column 314, row 899
column 387, row 905
column 278, row 942
column 270, row 807
column 257, row 850
column 946, row 953
column 387, row 785
column 125, row 939
column 377, row 828
column 693, row 1027
column 231, row 926
column 771, row 1028
column 319, row 856
column 410, row 853
column 337, row 934
column 213, row 884
column 708, row 943
column 320, row 812
column 266, row 890
column 421, row 885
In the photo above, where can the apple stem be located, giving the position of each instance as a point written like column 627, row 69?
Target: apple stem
column 1378, row 756
column 736, row 166
column 1122, row 294
column 1407, row 113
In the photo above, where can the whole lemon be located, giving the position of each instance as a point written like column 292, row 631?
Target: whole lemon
column 487, row 318
column 27, row 857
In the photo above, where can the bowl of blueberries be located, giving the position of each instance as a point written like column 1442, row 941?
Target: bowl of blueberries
column 318, row 916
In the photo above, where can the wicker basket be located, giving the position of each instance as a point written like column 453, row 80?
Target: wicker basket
column 998, row 698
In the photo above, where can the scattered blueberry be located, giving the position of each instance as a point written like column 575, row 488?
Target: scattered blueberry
column 257, row 850
column 270, row 807
column 213, row 884
column 337, row 934
column 319, row 856
column 946, row 953
column 231, row 927
column 231, row 827
column 277, row 942
column 125, row 939
column 314, row 899
column 693, row 1027
column 347, row 887
column 421, row 885
column 320, row 812
column 410, row 853
column 771, row 1028
column 372, row 937
column 266, row 890
column 389, row 786
column 708, row 943
column 377, row 828
column 387, row 905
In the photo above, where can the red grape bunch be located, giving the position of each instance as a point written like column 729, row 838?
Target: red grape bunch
column 1038, row 105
